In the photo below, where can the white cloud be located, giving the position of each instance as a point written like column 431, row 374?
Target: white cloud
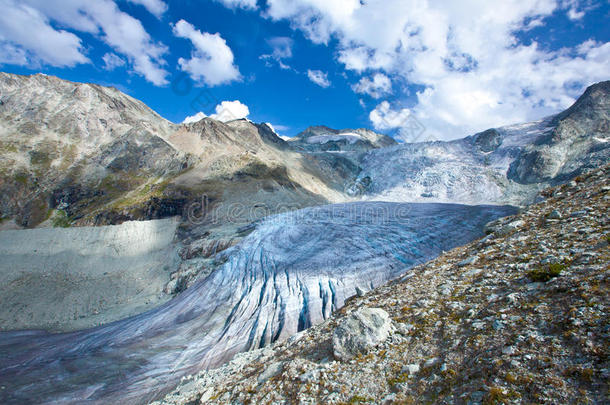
column 211, row 61
column 276, row 128
column 474, row 71
column 318, row 77
column 101, row 18
column 282, row 49
column 225, row 111
column 155, row 7
column 194, row 118
column 230, row 110
column 384, row 117
column 12, row 55
column 26, row 37
column 112, row 61
column 377, row 87
column 247, row 4
column 573, row 7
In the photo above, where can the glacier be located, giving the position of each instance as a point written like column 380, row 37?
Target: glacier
column 289, row 273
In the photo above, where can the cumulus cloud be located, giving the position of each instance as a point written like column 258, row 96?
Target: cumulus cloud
column 409, row 128
column 466, row 56
column 194, row 118
column 230, row 110
column 318, row 77
column 12, row 55
column 281, row 49
column 233, row 4
column 376, row 87
column 384, row 117
column 156, row 7
column 112, row 61
column 211, row 61
column 225, row 111
column 26, row 24
column 26, row 37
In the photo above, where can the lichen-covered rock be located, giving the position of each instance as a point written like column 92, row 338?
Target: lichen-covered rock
column 361, row 331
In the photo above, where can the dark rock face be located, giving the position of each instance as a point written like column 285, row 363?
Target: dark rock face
column 154, row 208
column 534, row 167
column 579, row 141
column 488, row 141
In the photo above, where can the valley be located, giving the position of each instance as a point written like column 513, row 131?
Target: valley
column 170, row 248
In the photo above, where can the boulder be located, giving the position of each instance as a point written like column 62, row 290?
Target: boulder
column 361, row 331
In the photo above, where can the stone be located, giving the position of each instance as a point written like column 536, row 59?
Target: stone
column 554, row 215
column 411, row 369
column 509, row 350
column 271, row 371
column 431, row 362
column 468, row 261
column 361, row 331
column 509, row 228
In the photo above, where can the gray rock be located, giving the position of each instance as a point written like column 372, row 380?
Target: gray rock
column 497, row 325
column 469, row 261
column 360, row 332
column 411, row 369
column 271, row 371
column 508, row 228
column 554, row 215
column 431, row 362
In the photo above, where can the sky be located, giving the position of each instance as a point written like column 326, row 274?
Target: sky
column 414, row 69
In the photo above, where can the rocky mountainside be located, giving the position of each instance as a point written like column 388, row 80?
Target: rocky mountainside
column 321, row 138
column 508, row 165
column 520, row 316
column 75, row 146
column 87, row 154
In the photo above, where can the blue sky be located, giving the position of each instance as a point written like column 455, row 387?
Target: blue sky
column 456, row 68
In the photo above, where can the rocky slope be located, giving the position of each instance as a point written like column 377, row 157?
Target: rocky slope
column 520, row 316
column 508, row 165
column 74, row 147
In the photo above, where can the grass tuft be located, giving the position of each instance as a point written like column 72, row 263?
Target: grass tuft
column 548, row 272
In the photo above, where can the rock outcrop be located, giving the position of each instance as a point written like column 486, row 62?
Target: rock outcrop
column 360, row 332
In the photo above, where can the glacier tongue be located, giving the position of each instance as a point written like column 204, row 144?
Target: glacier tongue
column 291, row 272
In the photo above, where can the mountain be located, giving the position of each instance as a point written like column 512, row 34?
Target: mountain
column 324, row 139
column 507, row 165
column 97, row 156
